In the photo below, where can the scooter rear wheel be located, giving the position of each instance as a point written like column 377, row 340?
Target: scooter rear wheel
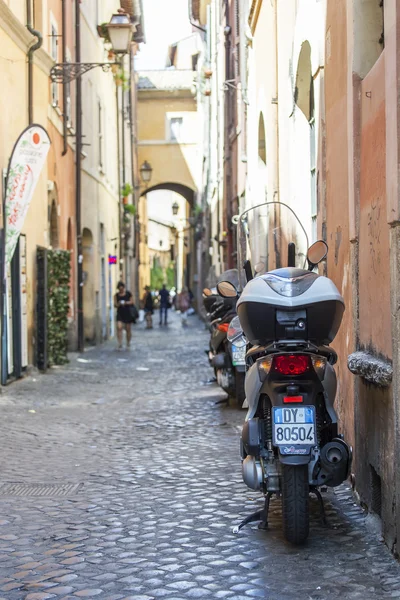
column 295, row 503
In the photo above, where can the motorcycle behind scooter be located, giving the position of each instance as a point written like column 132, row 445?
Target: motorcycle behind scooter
column 290, row 444
column 227, row 346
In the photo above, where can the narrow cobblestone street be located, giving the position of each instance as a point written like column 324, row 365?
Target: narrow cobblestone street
column 152, row 462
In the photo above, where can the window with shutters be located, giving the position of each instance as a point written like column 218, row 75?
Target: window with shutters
column 262, row 151
column 100, row 134
column 175, row 129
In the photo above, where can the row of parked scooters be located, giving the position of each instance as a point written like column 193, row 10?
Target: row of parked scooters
column 272, row 321
column 227, row 351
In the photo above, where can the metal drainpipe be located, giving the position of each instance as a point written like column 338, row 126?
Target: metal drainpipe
column 124, row 249
column 277, row 191
column 78, row 176
column 31, row 51
column 132, row 146
column 227, row 149
column 120, row 275
column 191, row 18
column 64, row 59
column 215, row 36
column 136, row 221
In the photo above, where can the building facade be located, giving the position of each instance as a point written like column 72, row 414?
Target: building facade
column 223, row 101
column 25, row 99
column 360, row 215
column 169, row 129
column 311, row 119
column 35, row 37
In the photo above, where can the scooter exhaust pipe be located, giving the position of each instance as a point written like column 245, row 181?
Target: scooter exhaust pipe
column 336, row 458
column 335, row 453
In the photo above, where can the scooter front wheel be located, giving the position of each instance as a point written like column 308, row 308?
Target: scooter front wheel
column 295, row 503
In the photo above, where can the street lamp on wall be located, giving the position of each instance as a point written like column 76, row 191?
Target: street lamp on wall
column 146, row 171
column 175, row 208
column 120, row 31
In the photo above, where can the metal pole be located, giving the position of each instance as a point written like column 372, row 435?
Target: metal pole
column 227, row 148
column 132, row 162
column 78, row 178
column 124, row 250
column 64, row 59
column 4, row 348
column 119, row 185
column 136, row 221
column 31, row 51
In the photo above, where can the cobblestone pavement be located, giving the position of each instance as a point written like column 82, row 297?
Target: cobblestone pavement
column 160, row 489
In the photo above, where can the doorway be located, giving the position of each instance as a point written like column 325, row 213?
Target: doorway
column 89, row 307
column 103, row 284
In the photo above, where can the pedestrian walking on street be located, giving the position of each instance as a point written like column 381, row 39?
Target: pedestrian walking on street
column 184, row 305
column 165, row 304
column 126, row 311
column 147, row 302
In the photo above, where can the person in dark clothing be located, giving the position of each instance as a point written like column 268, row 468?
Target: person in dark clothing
column 123, row 302
column 165, row 304
column 147, row 302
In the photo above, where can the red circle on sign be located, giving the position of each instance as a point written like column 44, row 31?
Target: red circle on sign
column 36, row 138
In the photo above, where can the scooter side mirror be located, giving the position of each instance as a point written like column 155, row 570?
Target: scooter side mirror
column 226, row 289
column 316, row 253
column 207, row 292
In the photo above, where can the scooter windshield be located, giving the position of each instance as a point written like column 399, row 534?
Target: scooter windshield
column 270, row 236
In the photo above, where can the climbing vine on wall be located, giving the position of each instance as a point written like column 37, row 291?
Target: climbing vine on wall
column 59, row 273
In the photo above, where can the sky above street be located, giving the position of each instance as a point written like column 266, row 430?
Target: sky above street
column 164, row 23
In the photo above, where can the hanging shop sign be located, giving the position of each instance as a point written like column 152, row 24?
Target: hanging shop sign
column 112, row 260
column 26, row 163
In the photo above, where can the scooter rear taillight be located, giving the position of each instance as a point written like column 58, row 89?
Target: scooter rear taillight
column 223, row 327
column 292, row 364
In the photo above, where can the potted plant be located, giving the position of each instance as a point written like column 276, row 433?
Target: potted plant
column 129, row 209
column 126, row 190
column 103, row 31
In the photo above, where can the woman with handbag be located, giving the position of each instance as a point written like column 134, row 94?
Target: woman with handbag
column 126, row 311
column 147, row 304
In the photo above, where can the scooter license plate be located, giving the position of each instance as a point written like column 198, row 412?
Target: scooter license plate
column 294, row 425
column 238, row 355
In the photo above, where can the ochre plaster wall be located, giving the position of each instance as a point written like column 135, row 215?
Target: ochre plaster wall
column 359, row 259
column 374, row 274
column 171, row 161
column 337, row 220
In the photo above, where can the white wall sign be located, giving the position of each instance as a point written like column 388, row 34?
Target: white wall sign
column 26, row 163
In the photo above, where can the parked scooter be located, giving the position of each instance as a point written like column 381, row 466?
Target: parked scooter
column 227, row 349
column 290, row 444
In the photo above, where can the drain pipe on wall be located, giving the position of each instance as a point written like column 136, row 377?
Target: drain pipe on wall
column 227, row 142
column 64, row 90
column 191, row 19
column 31, row 52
